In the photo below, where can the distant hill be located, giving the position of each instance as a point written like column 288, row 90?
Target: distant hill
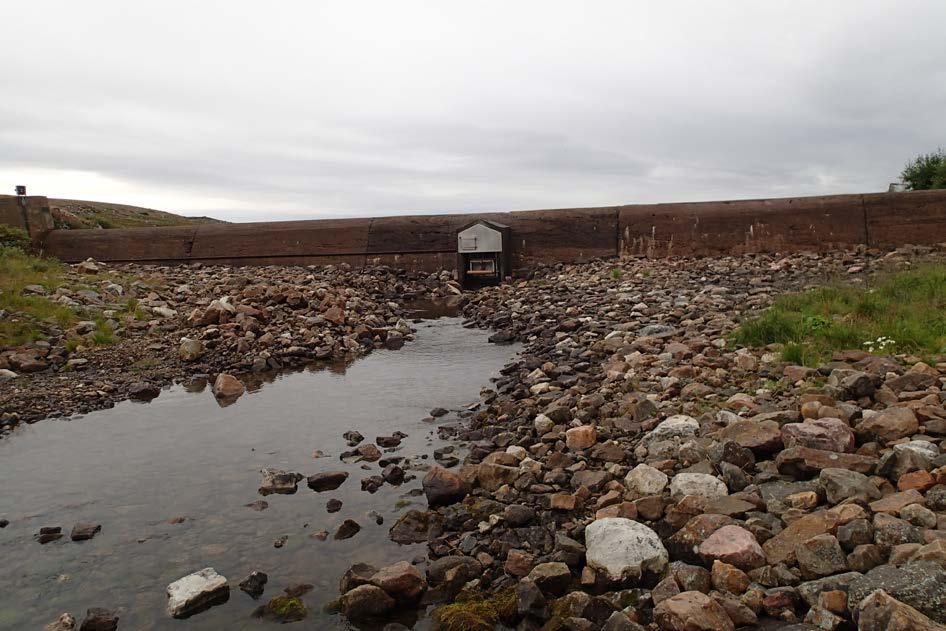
column 78, row 214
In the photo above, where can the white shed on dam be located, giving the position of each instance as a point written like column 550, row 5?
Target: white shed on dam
column 482, row 253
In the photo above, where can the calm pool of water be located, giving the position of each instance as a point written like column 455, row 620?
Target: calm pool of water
column 136, row 467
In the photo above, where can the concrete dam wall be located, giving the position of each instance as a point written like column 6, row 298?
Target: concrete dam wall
column 428, row 242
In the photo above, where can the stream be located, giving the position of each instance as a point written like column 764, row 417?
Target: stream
column 170, row 481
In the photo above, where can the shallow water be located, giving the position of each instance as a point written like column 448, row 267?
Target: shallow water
column 136, row 466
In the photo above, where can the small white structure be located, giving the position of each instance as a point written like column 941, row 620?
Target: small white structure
column 482, row 253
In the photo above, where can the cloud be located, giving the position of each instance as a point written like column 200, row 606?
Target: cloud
column 318, row 109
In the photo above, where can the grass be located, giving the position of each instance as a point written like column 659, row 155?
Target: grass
column 29, row 316
column 902, row 312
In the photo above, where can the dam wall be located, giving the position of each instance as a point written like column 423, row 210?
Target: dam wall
column 428, row 242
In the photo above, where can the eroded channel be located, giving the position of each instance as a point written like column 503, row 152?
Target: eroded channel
column 170, row 482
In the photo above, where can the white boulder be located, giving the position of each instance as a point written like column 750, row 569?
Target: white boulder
column 646, row 480
column 702, row 484
column 623, row 548
column 196, row 592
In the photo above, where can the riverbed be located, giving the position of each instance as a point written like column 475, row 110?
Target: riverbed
column 170, row 482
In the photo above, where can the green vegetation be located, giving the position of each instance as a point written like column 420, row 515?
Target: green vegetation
column 898, row 312
column 29, row 312
column 24, row 279
column 13, row 237
column 926, row 172
column 476, row 611
column 617, row 273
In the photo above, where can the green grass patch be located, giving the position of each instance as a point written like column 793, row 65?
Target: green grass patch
column 896, row 312
column 30, row 315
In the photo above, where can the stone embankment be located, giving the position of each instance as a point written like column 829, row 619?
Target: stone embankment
column 197, row 322
column 633, row 471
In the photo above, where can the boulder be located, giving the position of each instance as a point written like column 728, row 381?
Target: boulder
column 841, row 484
column 279, row 481
column 878, row 611
column 890, row 424
column 828, row 434
column 578, row 438
column 443, row 487
column 623, row 548
column 691, row 611
column 402, row 581
column 552, row 578
column 196, row 592
column 99, row 619
column 699, row 484
column 190, row 350
column 646, row 480
column 919, row 584
column 65, row 622
column 227, row 386
column 326, row 481
column 733, row 545
column 366, row 601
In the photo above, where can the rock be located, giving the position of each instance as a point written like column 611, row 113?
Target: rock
column 519, row 563
column 552, row 578
column 227, row 386
column 443, row 487
column 196, row 592
column 84, row 532
column 402, row 581
column 283, row 609
column 841, row 484
column 578, row 438
column 735, row 546
column 326, row 481
column 414, row 526
column 782, row 547
column 624, row 549
column 800, row 461
column 699, row 484
column 691, row 611
column 366, row 601
column 890, row 424
column 143, row 391
column 919, row 584
column 190, row 350
column 819, row 556
column 65, row 622
column 762, row 437
column 254, row 584
column 827, row 434
column 646, row 480
column 353, row 437
column 98, row 619
column 348, row 529
column 48, row 534
column 879, row 612
column 279, row 481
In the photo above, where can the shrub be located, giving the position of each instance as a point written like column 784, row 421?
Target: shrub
column 927, row 171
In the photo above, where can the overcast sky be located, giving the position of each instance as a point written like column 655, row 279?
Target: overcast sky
column 255, row 110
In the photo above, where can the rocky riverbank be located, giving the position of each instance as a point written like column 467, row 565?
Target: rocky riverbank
column 633, row 471
column 195, row 322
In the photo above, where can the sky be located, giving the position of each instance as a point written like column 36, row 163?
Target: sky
column 287, row 110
